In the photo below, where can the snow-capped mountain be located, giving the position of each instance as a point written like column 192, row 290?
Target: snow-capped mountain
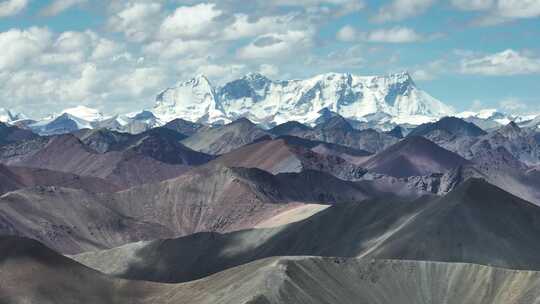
column 273, row 102
column 493, row 118
column 8, row 116
column 68, row 120
column 193, row 100
column 85, row 113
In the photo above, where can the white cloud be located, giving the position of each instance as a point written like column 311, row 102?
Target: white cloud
column 20, row 46
column 221, row 71
column 177, row 47
column 243, row 27
column 269, row 70
column 136, row 20
column 473, row 5
column 394, row 35
column 402, row 9
column 342, row 59
column 190, row 21
column 500, row 11
column 508, row 62
column 422, row 75
column 512, row 105
column 518, row 8
column 58, row 6
column 390, row 35
column 141, row 80
column 12, row 7
column 347, row 34
column 43, row 71
column 276, row 45
column 106, row 48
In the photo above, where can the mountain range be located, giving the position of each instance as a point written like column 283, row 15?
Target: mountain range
column 380, row 102
column 369, row 191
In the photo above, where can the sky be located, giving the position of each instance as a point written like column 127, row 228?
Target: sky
column 117, row 55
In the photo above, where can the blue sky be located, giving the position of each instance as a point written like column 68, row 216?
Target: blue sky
column 117, row 55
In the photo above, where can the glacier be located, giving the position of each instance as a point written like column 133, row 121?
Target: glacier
column 392, row 98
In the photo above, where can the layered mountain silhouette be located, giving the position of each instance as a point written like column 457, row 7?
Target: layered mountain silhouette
column 330, row 211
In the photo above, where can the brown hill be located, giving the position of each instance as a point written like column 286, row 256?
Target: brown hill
column 414, row 156
column 32, row 273
column 476, row 223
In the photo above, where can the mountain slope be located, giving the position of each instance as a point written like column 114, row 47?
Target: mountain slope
column 9, row 116
column 476, row 223
column 208, row 198
column 66, row 153
column 451, row 125
column 350, row 281
column 413, row 156
column 12, row 134
column 338, row 130
column 34, row 273
column 223, row 139
column 289, row 154
column 14, row 178
column 161, row 144
column 71, row 220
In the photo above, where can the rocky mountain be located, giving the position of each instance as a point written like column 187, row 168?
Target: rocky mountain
column 10, row 117
column 223, row 139
column 12, row 134
column 272, row 102
column 522, row 144
column 290, row 154
column 34, row 273
column 338, row 130
column 66, row 153
column 15, row 178
column 208, row 198
column 413, row 156
column 475, row 223
column 160, row 143
column 182, row 126
column 450, row 125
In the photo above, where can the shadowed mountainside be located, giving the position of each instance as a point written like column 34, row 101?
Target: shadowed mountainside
column 413, row 156
column 30, row 272
column 475, row 223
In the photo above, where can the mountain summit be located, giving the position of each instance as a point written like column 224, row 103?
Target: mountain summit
column 267, row 101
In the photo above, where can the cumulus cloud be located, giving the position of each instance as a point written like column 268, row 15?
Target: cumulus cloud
column 12, row 7
column 402, row 9
column 40, row 67
column 177, row 48
column 519, row 8
column 269, row 70
column 274, row 46
column 136, row 20
column 342, row 59
column 347, row 34
column 499, row 11
column 190, row 21
column 243, row 26
column 512, row 105
column 21, row 46
column 58, row 6
column 508, row 62
column 473, row 5
column 390, row 35
column 394, row 35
